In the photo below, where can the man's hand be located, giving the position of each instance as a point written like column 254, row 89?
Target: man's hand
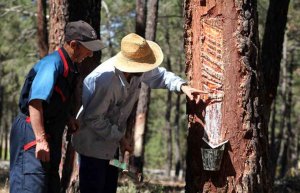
column 125, row 145
column 37, row 122
column 42, row 151
column 192, row 93
column 73, row 124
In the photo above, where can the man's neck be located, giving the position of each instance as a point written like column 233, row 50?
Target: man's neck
column 128, row 76
column 70, row 51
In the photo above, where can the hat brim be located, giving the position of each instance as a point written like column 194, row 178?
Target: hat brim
column 94, row 45
column 145, row 64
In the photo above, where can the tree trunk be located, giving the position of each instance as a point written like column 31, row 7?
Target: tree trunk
column 60, row 13
column 108, row 28
column 1, row 117
column 42, row 32
column 272, row 49
column 58, row 17
column 177, row 138
column 291, row 125
column 140, row 20
column 281, row 143
column 144, row 97
column 57, row 21
column 168, row 128
column 89, row 12
column 221, row 41
column 289, row 134
column 137, row 138
column 168, row 132
column 273, row 144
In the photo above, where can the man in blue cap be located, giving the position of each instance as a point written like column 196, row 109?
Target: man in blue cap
column 36, row 134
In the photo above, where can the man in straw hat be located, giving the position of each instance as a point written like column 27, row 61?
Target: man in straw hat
column 36, row 134
column 109, row 94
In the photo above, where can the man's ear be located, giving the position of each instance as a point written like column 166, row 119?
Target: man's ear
column 73, row 44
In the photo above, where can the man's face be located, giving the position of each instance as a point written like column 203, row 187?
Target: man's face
column 81, row 52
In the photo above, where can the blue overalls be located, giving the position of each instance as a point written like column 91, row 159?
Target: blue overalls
column 52, row 81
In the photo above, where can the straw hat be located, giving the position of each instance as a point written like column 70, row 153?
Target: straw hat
column 137, row 55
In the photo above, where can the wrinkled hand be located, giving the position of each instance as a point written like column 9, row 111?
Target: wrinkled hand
column 73, row 124
column 42, row 151
column 192, row 93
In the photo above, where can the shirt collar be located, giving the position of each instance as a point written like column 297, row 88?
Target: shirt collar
column 72, row 65
column 122, row 77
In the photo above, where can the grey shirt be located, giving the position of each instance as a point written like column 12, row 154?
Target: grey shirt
column 107, row 102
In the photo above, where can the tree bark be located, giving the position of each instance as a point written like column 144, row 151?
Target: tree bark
column 271, row 53
column 286, row 161
column 137, row 136
column 59, row 16
column 273, row 144
column 1, row 110
column 222, row 56
column 144, row 97
column 168, row 127
column 140, row 20
column 89, row 12
column 177, row 138
column 42, row 32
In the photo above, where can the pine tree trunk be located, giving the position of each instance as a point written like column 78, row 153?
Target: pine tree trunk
column 89, row 12
column 144, row 97
column 140, row 20
column 168, row 132
column 168, row 127
column 284, row 113
column 177, row 138
column 271, row 53
column 42, row 32
column 221, row 41
column 1, row 117
column 57, row 21
column 140, row 28
column 286, row 161
column 273, row 144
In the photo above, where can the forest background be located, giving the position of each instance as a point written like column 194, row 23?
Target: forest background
column 19, row 52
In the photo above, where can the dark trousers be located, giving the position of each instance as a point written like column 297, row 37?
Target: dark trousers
column 97, row 176
column 28, row 174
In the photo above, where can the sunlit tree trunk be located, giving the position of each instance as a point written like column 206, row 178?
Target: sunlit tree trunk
column 222, row 56
column 42, row 32
column 58, row 17
column 144, row 97
column 137, row 136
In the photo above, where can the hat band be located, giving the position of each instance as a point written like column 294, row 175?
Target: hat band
column 150, row 58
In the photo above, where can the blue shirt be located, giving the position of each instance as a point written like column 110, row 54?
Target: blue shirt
column 47, row 71
column 108, row 100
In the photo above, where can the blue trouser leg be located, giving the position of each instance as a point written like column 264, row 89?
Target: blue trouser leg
column 97, row 176
column 28, row 174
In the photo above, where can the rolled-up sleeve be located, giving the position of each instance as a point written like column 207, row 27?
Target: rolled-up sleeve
column 161, row 78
